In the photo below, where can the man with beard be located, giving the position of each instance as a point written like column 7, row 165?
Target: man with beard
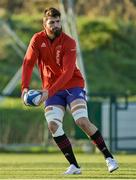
column 55, row 54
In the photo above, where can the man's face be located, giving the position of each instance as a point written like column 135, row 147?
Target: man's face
column 53, row 26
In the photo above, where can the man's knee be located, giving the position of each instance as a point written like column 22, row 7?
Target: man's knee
column 54, row 116
column 83, row 122
column 53, row 126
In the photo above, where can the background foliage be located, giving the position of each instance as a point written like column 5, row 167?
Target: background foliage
column 107, row 32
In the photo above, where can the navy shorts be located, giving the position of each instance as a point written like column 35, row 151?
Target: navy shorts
column 65, row 97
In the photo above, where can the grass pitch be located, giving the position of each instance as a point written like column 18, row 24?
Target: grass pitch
column 52, row 166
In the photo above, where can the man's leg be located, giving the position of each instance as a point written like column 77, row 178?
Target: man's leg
column 54, row 116
column 80, row 115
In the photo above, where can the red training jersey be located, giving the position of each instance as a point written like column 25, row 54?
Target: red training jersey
column 56, row 61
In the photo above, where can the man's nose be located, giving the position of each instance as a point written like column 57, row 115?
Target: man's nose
column 56, row 24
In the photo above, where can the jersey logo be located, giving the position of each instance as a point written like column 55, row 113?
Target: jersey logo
column 58, row 52
column 43, row 45
column 81, row 94
column 74, row 49
column 58, row 57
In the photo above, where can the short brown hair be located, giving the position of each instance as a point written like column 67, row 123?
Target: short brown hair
column 51, row 12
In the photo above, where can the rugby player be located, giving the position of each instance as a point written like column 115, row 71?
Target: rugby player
column 55, row 54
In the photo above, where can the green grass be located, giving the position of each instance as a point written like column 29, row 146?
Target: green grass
column 52, row 166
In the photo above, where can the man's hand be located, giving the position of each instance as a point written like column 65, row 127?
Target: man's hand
column 23, row 93
column 44, row 96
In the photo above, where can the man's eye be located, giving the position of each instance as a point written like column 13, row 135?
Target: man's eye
column 51, row 22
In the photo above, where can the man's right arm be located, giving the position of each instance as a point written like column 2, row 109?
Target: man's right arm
column 28, row 64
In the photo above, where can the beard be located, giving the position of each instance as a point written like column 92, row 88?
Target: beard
column 57, row 32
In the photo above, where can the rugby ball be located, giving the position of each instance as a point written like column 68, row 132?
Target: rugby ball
column 32, row 97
